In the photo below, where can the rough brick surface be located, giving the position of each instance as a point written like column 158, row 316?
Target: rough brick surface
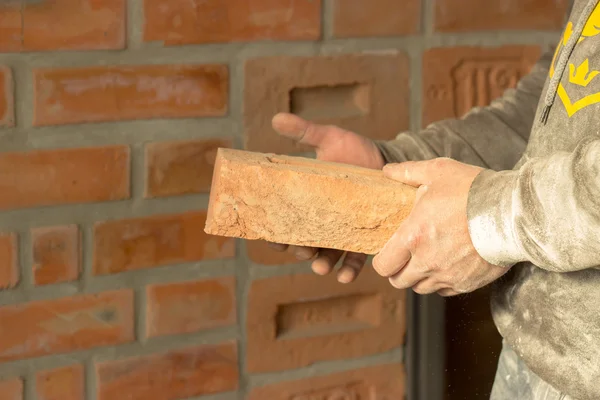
column 177, row 22
column 353, row 18
column 460, row 78
column 300, row 201
column 56, row 254
column 52, row 177
column 62, row 25
column 11, row 389
column 9, row 266
column 140, row 243
column 94, row 94
column 66, row 325
column 183, row 167
column 295, row 321
column 185, row 307
column 175, row 375
column 365, row 93
column 65, row 383
column 260, row 253
column 7, row 114
column 476, row 15
column 382, row 382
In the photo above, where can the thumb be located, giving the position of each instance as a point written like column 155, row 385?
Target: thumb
column 301, row 130
column 413, row 173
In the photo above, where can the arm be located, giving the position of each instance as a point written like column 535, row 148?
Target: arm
column 548, row 212
column 477, row 137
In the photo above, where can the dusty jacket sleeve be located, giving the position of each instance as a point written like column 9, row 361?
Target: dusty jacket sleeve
column 547, row 212
column 477, row 137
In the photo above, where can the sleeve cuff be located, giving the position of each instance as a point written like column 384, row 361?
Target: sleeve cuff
column 491, row 217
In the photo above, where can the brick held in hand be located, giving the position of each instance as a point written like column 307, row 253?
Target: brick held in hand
column 305, row 202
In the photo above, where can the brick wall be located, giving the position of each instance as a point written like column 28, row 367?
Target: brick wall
column 110, row 115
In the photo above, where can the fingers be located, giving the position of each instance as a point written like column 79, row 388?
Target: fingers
column 394, row 256
column 302, row 131
column 303, row 253
column 277, row 246
column 414, row 173
column 351, row 266
column 326, row 261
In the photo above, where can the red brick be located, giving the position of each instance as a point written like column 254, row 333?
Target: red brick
column 140, row 243
column 184, row 167
column 177, row 22
column 186, row 307
column 382, row 382
column 354, row 18
column 95, row 94
column 63, row 176
column 65, row 325
column 7, row 114
column 175, row 375
column 61, row 384
column 9, row 266
column 295, row 321
column 476, row 15
column 62, row 25
column 11, row 389
column 365, row 93
column 260, row 253
column 56, row 254
column 457, row 79
column 305, row 202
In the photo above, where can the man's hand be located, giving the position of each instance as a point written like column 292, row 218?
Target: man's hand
column 432, row 250
column 336, row 145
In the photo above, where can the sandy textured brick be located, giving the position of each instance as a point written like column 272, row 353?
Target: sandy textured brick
column 477, row 15
column 301, row 201
column 174, row 375
column 63, row 176
column 457, row 79
column 185, row 307
column 382, row 382
column 114, row 93
column 139, row 243
column 56, row 254
column 298, row 320
column 177, row 22
column 356, row 18
column 182, row 167
column 9, row 265
column 67, row 324
column 27, row 25
column 365, row 93
column 11, row 389
column 66, row 383
column 7, row 113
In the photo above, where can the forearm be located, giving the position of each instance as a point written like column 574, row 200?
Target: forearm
column 547, row 212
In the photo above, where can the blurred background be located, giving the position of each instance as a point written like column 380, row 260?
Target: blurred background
column 111, row 112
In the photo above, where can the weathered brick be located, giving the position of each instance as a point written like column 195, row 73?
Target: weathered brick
column 183, row 167
column 457, row 79
column 9, row 266
column 177, row 22
column 7, row 114
column 63, row 176
column 365, row 93
column 295, row 321
column 355, row 18
column 185, row 307
column 62, row 25
column 382, row 382
column 11, row 389
column 175, row 375
column 476, row 15
column 65, row 325
column 65, row 383
column 56, row 254
column 301, row 201
column 133, row 244
column 260, row 253
column 94, row 94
